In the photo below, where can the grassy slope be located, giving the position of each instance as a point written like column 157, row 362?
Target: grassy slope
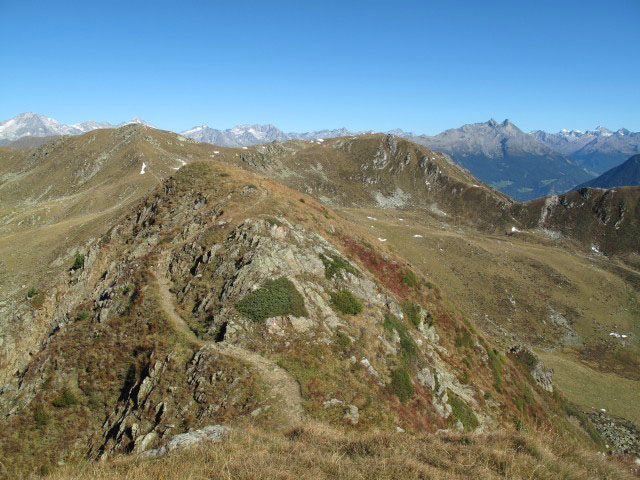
column 593, row 389
column 482, row 273
column 320, row 452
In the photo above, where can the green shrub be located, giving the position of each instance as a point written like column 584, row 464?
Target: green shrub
column 224, row 174
column 461, row 411
column 464, row 340
column 343, row 339
column 412, row 311
column 65, row 399
column 83, row 315
column 344, row 301
column 527, row 394
column 33, row 291
column 302, row 200
column 409, row 278
column 78, row 262
column 275, row 298
column 334, row 264
column 40, row 416
column 126, row 289
column 401, row 384
column 496, row 362
column 520, row 403
column 408, row 348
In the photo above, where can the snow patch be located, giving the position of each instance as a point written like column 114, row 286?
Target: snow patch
column 418, row 236
column 382, row 239
column 144, row 165
column 618, row 335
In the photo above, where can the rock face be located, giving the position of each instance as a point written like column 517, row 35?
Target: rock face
column 543, row 376
column 210, row 433
column 259, row 250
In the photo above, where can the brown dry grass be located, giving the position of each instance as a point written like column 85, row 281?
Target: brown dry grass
column 319, row 452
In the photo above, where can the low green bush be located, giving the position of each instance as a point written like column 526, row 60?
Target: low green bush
column 275, row 298
column 33, row 291
column 65, row 399
column 412, row 311
column 409, row 278
column 78, row 262
column 496, row 362
column 343, row 339
column 83, row 315
column 334, row 264
column 40, row 416
column 401, row 384
column 408, row 348
column 464, row 340
column 461, row 411
column 343, row 301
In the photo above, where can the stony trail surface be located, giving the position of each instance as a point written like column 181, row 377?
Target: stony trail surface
column 278, row 380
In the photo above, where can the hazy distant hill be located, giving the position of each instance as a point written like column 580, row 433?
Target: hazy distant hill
column 598, row 150
column 508, row 159
column 627, row 174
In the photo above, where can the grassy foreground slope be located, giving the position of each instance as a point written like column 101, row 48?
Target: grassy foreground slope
column 316, row 451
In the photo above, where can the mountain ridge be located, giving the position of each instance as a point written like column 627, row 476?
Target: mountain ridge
column 509, row 160
column 624, row 175
column 598, row 150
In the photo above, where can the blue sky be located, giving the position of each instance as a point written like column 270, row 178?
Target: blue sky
column 421, row 66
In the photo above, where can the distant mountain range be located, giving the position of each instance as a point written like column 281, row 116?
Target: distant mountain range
column 247, row 135
column 598, row 150
column 508, row 159
column 522, row 165
column 627, row 174
column 34, row 125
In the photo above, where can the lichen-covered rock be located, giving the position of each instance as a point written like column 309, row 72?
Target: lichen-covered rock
column 352, row 414
column 543, row 376
column 210, row 433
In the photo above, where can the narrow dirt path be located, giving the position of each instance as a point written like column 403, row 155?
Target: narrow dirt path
column 279, row 380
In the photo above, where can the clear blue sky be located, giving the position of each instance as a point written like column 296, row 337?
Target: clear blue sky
column 422, row 66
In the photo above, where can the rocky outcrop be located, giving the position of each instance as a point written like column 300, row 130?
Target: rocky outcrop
column 621, row 437
column 210, row 433
column 543, row 376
